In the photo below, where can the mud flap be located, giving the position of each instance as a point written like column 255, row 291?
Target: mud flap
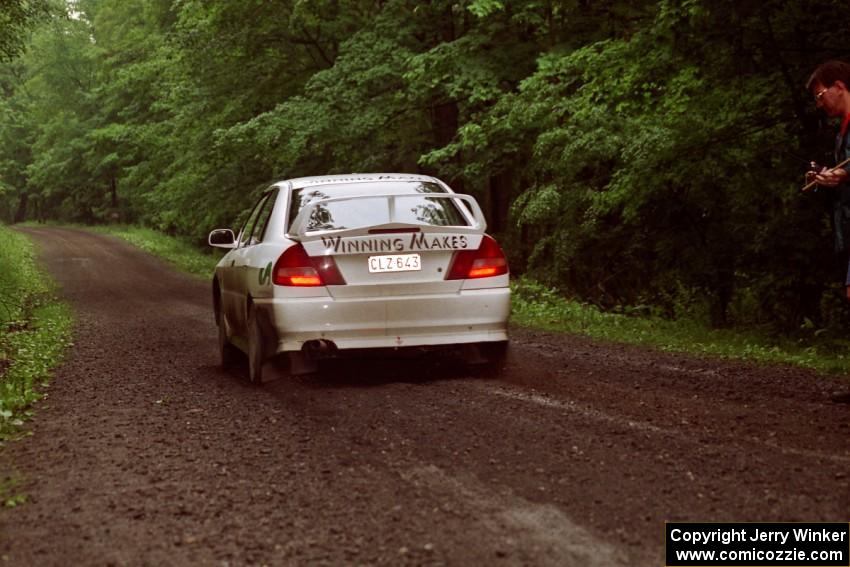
column 267, row 328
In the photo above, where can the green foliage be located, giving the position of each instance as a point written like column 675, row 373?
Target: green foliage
column 641, row 153
column 16, row 18
column 34, row 330
column 660, row 162
column 483, row 8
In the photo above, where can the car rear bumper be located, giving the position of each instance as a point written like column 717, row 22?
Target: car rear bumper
column 378, row 322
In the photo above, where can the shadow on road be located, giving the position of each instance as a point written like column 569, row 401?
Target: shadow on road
column 375, row 372
column 365, row 372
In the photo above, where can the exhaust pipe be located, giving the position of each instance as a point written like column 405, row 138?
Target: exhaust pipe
column 319, row 348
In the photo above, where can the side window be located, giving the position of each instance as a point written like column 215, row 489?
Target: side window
column 265, row 215
column 246, row 235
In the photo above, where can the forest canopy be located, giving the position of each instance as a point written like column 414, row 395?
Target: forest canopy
column 641, row 154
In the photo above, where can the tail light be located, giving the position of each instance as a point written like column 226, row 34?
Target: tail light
column 487, row 261
column 296, row 268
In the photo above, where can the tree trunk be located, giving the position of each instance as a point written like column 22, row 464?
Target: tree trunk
column 21, row 213
column 721, row 298
column 499, row 201
column 445, row 122
column 444, row 118
column 445, row 114
column 113, row 186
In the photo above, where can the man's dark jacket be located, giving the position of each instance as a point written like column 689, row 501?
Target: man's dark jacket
column 841, row 197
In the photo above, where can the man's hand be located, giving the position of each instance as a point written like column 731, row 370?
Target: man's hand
column 828, row 177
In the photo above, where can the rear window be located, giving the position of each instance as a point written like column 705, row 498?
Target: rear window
column 415, row 208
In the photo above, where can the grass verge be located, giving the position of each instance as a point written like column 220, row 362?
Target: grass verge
column 35, row 329
column 182, row 254
column 536, row 306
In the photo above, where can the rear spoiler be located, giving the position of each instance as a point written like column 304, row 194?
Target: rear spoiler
column 472, row 212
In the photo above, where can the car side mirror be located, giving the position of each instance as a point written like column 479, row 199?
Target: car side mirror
column 222, row 238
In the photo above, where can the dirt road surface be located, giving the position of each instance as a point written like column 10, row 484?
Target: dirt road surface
column 146, row 453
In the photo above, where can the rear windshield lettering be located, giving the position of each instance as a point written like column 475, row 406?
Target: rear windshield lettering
column 336, row 244
column 340, row 246
column 425, row 242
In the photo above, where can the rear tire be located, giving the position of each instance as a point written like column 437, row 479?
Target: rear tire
column 228, row 353
column 256, row 350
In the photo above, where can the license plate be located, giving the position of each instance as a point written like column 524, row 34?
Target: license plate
column 394, row 263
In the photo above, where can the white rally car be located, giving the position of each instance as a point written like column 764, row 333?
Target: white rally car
column 330, row 265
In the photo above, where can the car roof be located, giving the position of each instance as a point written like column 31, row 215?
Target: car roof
column 301, row 182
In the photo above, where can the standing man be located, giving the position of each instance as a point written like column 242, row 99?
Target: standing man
column 829, row 85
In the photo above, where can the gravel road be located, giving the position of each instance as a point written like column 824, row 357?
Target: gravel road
column 145, row 452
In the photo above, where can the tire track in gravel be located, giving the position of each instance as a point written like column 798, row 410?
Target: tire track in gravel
column 146, row 452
